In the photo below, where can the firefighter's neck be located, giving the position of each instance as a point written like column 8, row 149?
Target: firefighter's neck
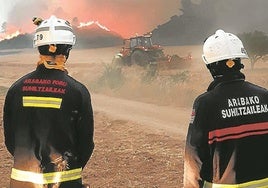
column 53, row 62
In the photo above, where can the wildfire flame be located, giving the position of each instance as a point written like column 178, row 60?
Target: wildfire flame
column 82, row 24
column 4, row 36
column 9, row 35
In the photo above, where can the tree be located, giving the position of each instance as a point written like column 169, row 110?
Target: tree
column 256, row 44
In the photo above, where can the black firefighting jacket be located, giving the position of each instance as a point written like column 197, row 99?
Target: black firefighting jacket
column 227, row 140
column 48, row 123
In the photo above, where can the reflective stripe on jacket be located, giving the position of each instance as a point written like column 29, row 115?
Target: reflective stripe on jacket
column 46, row 178
column 227, row 138
column 48, row 127
column 262, row 183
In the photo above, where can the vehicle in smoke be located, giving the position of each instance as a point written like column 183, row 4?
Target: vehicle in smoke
column 140, row 50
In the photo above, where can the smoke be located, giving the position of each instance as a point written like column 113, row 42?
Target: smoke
column 236, row 16
column 125, row 17
column 130, row 17
column 19, row 14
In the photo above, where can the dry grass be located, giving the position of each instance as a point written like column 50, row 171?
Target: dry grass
column 89, row 66
column 171, row 87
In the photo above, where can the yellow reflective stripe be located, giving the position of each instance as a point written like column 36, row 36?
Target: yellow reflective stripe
column 41, row 102
column 262, row 183
column 46, row 178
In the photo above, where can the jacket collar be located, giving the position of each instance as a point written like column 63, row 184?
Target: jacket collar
column 238, row 76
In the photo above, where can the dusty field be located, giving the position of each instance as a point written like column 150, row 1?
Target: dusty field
column 139, row 131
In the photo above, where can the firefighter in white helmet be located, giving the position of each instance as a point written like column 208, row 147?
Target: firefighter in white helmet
column 48, row 117
column 227, row 139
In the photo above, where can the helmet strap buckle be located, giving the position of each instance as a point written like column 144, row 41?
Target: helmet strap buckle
column 230, row 63
column 52, row 48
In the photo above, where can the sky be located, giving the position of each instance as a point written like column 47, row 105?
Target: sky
column 126, row 17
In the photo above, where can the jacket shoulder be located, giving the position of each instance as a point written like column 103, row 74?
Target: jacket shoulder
column 20, row 80
column 76, row 84
column 257, row 87
column 202, row 97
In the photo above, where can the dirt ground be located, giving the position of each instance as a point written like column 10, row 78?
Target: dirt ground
column 138, row 143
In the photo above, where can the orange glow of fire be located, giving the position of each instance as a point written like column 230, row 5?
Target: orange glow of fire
column 9, row 36
column 82, row 24
column 123, row 17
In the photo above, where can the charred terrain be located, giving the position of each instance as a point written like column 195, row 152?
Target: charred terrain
column 141, row 115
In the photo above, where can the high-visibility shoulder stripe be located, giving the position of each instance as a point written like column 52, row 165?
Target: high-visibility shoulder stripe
column 46, row 178
column 41, row 102
column 262, row 183
column 237, row 132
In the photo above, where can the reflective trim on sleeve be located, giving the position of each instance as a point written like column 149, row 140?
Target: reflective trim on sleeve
column 262, row 183
column 41, row 102
column 46, row 178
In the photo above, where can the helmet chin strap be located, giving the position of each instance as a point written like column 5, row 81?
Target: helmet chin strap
column 53, row 62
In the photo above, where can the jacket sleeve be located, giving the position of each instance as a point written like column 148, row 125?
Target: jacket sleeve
column 196, row 148
column 85, row 129
column 7, row 121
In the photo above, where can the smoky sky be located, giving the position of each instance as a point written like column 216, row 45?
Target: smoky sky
column 123, row 16
column 128, row 17
column 240, row 15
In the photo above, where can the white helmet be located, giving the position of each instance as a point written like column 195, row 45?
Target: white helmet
column 222, row 46
column 54, row 31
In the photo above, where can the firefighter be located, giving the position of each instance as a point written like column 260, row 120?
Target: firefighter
column 48, row 117
column 227, row 139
